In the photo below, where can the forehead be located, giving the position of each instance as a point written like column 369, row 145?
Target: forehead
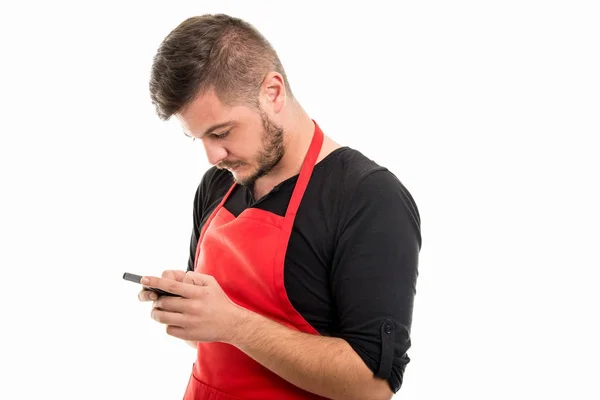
column 208, row 110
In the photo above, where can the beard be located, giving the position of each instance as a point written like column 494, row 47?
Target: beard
column 269, row 156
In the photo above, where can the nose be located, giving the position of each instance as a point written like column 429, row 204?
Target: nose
column 214, row 151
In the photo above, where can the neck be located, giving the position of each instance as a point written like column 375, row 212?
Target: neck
column 298, row 133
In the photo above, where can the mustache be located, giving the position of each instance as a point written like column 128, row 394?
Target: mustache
column 230, row 164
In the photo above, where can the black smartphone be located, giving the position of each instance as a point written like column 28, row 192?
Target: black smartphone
column 138, row 278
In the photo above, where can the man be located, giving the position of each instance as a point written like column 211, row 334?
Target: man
column 304, row 253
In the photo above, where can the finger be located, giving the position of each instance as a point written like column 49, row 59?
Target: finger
column 178, row 332
column 168, row 317
column 147, row 295
column 176, row 275
column 173, row 304
column 198, row 279
column 171, row 286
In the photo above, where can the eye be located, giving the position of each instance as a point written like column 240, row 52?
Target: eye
column 221, row 135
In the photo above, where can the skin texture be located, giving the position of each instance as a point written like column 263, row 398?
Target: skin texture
column 252, row 139
column 261, row 147
column 326, row 366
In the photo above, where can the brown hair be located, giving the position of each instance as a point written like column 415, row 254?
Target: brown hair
column 206, row 52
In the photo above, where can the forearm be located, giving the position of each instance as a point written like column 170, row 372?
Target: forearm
column 326, row 366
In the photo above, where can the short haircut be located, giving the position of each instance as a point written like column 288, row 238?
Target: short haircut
column 211, row 52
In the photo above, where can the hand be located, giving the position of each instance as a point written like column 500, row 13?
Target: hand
column 147, row 295
column 203, row 313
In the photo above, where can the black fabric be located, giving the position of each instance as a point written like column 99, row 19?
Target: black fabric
column 352, row 261
column 387, row 349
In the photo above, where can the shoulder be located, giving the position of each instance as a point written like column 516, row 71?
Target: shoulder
column 343, row 170
column 364, row 186
column 384, row 188
column 350, row 171
column 349, row 160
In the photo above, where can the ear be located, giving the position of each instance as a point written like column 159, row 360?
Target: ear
column 272, row 92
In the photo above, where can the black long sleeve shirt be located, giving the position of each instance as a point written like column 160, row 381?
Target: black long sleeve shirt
column 352, row 261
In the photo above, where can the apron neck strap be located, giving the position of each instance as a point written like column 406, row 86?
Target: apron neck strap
column 305, row 173
column 308, row 166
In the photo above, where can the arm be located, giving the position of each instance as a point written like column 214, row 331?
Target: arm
column 322, row 365
column 373, row 282
column 212, row 187
column 325, row 366
column 196, row 220
column 197, row 217
column 374, row 273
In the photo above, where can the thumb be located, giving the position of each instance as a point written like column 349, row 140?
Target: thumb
column 176, row 275
column 198, row 279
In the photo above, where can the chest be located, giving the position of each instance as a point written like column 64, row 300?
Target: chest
column 261, row 264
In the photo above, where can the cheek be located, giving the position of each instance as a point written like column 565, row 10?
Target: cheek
column 247, row 152
column 246, row 145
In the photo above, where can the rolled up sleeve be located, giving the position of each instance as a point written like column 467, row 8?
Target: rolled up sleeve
column 374, row 274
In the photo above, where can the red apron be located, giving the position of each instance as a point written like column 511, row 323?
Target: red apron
column 246, row 255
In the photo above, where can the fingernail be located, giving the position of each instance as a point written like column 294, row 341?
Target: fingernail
column 153, row 296
column 145, row 280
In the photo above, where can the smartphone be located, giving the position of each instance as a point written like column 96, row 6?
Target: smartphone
column 138, row 278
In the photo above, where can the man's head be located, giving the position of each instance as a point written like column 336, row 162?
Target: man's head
column 225, row 83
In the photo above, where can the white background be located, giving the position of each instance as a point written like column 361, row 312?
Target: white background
column 487, row 111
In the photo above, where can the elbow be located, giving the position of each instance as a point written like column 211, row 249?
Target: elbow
column 387, row 396
column 384, row 395
column 378, row 390
column 371, row 396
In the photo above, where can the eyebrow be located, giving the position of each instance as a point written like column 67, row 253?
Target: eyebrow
column 213, row 128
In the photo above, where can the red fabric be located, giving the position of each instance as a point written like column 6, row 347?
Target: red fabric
column 246, row 255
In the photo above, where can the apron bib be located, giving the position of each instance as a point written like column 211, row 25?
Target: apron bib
column 246, row 255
